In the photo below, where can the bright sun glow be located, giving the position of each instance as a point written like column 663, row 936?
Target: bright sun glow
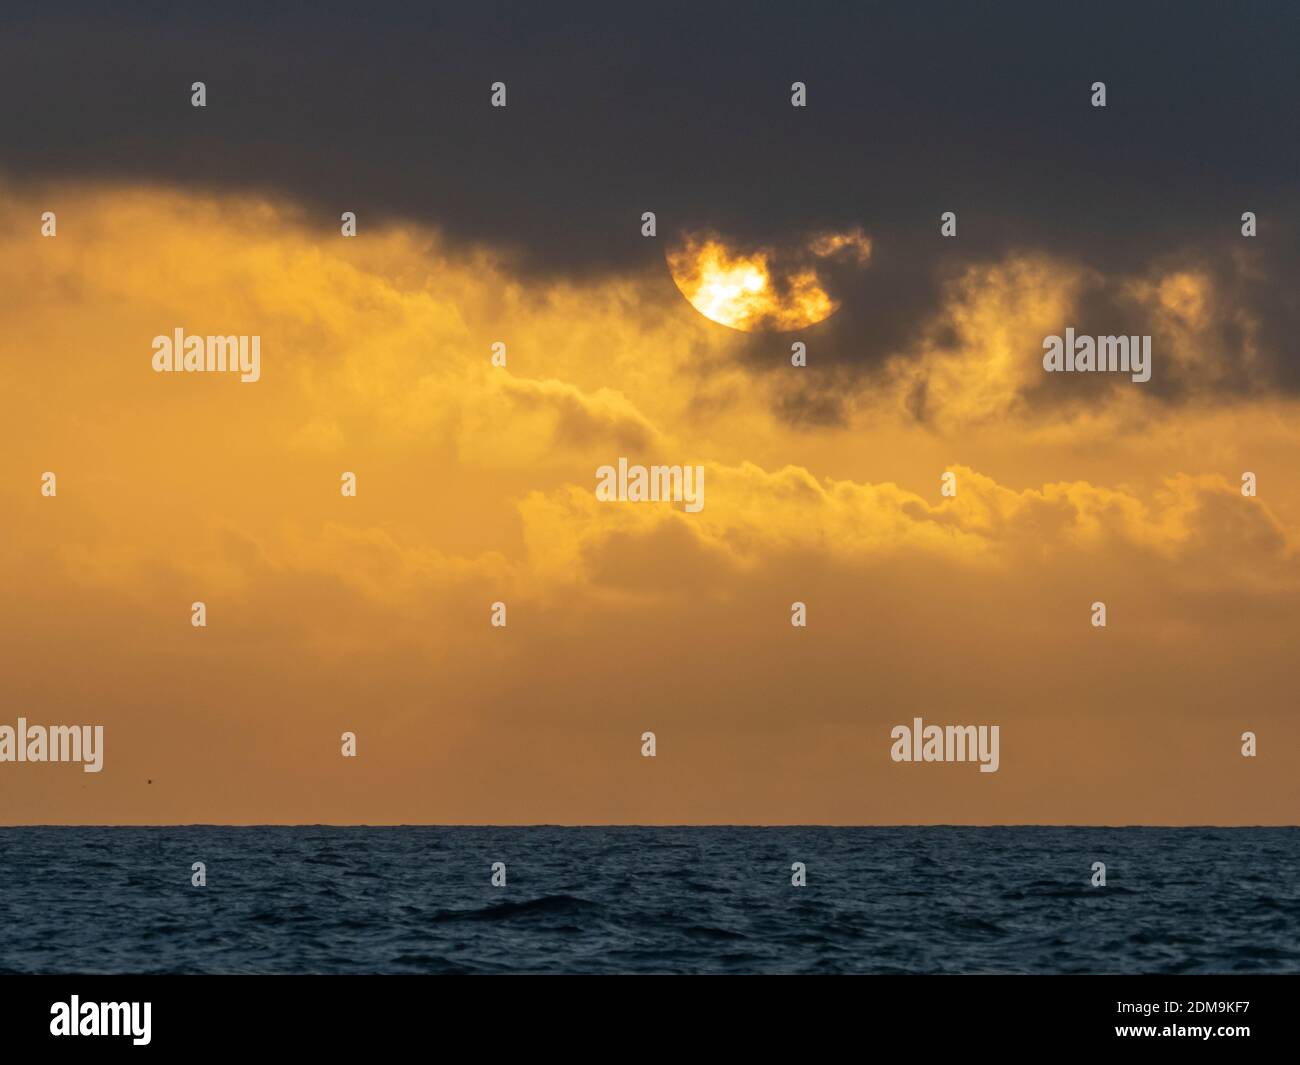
column 739, row 291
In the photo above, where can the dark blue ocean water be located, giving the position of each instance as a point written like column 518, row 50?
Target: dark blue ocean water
column 616, row 900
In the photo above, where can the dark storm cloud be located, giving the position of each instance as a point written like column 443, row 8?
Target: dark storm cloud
column 615, row 109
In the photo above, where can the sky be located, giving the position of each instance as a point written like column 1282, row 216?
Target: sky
column 775, row 225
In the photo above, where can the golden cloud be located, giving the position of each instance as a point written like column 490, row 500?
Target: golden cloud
column 476, row 485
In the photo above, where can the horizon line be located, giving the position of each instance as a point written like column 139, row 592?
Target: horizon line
column 546, row 824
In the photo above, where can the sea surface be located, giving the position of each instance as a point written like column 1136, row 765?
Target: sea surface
column 649, row 900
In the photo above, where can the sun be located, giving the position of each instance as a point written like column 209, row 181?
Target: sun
column 744, row 291
column 764, row 289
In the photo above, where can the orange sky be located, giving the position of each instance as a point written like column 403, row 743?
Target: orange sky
column 476, row 484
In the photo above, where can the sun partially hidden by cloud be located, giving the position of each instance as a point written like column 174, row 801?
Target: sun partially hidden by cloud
column 764, row 289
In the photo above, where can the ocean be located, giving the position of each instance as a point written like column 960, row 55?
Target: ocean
column 649, row 900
